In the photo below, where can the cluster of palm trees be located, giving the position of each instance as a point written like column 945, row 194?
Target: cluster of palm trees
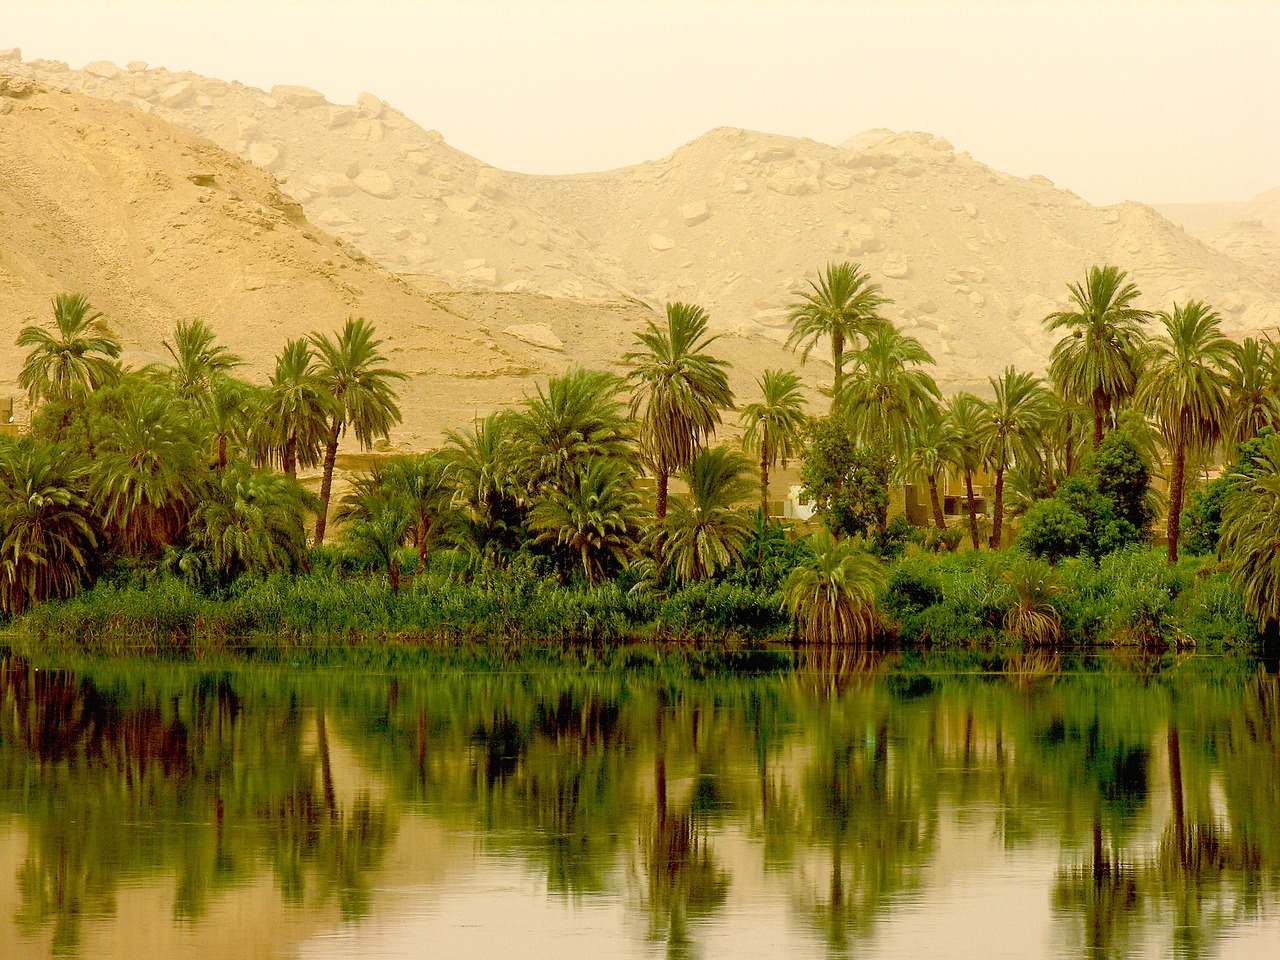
column 183, row 465
column 189, row 463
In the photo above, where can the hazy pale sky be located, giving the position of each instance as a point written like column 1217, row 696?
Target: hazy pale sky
column 1151, row 100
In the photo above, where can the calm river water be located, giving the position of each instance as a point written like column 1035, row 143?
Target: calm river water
column 854, row 808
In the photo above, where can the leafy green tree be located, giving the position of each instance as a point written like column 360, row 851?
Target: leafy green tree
column 1184, row 389
column 594, row 514
column 577, row 417
column 678, row 391
column 832, row 597
column 848, row 484
column 1010, row 426
column 296, row 410
column 774, row 425
column 707, row 531
column 353, row 372
column 887, row 393
column 1097, row 362
column 47, row 538
column 253, row 521
column 1123, row 475
column 75, row 360
column 1253, row 390
column 842, row 306
column 148, row 474
column 965, row 413
column 1250, row 539
column 197, row 359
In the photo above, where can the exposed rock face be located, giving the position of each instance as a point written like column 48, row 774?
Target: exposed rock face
column 735, row 221
column 535, row 334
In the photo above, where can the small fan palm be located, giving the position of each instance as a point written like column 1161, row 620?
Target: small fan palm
column 353, row 372
column 832, row 597
column 1184, row 389
column 707, row 531
column 73, row 361
column 1250, row 539
column 775, row 425
column 46, row 536
column 1098, row 361
column 678, row 391
column 842, row 306
column 1029, row 614
column 595, row 515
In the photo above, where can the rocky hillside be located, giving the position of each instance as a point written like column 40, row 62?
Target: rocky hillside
column 973, row 258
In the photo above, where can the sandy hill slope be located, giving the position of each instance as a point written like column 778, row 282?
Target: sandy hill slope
column 973, row 258
column 1248, row 232
column 156, row 224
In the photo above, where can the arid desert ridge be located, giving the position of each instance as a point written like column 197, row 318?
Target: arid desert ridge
column 168, row 196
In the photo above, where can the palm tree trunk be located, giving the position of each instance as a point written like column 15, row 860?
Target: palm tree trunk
column 973, row 511
column 1175, row 795
column 1099, row 407
column 997, row 510
column 326, row 478
column 938, row 517
column 837, row 360
column 326, row 767
column 1175, row 498
column 764, row 477
column 289, row 456
column 660, row 505
column 393, row 573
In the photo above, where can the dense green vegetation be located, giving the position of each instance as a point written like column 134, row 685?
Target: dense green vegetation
column 160, row 507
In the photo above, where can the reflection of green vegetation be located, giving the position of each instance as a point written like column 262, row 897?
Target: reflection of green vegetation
column 1159, row 780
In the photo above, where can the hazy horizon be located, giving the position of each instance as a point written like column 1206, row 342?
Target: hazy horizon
column 1161, row 102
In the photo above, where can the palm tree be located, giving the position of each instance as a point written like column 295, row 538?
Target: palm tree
column 74, row 360
column 932, row 446
column 228, row 410
column 577, row 417
column 887, row 392
column 353, row 372
column 426, row 481
column 296, row 410
column 1097, row 363
column 253, row 522
column 1253, row 391
column 774, row 425
column 1029, row 613
column 1185, row 390
column 147, row 474
column 46, row 537
column 595, row 515
column 197, row 359
column 1010, row 428
column 677, row 391
column 1251, row 535
column 707, row 531
column 832, row 598
column 965, row 413
column 375, row 521
column 485, row 484
column 842, row 306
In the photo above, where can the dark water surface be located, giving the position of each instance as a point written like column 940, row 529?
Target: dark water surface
column 857, row 809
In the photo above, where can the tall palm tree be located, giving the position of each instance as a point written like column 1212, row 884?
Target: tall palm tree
column 1253, row 391
column 1010, row 428
column 75, row 359
column 577, row 416
column 354, row 373
column 774, row 425
column 1184, row 389
column 707, row 531
column 843, row 305
column 148, row 475
column 46, row 536
column 933, row 444
column 595, row 515
column 678, row 391
column 887, row 392
column 965, row 413
column 228, row 410
column 1251, row 533
column 296, row 411
column 1097, row 363
column 197, row 359
column 832, row 598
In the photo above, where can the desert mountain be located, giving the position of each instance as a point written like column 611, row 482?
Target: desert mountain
column 156, row 224
column 1248, row 232
column 973, row 258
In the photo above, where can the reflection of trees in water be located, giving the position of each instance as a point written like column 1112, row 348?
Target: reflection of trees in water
column 121, row 783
